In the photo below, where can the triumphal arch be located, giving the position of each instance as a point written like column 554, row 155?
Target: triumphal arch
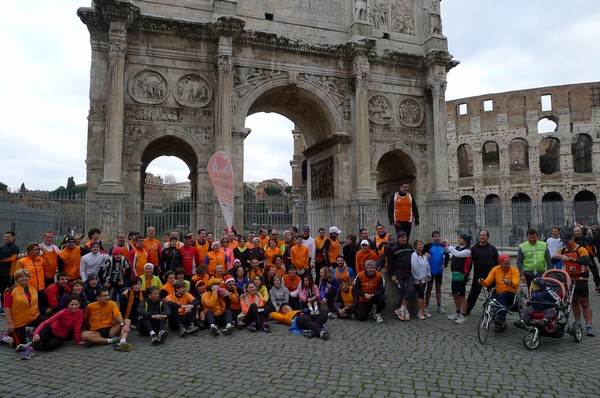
column 363, row 81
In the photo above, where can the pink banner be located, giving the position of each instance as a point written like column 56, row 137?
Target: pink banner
column 221, row 176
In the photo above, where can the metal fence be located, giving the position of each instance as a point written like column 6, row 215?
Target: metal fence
column 29, row 216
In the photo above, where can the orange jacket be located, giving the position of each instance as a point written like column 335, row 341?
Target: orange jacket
column 246, row 301
column 71, row 260
column 213, row 301
column 299, row 256
column 22, row 310
column 362, row 257
column 50, row 258
column 36, row 269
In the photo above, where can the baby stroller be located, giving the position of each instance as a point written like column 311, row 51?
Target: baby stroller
column 560, row 282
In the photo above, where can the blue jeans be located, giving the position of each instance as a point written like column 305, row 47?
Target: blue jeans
column 506, row 299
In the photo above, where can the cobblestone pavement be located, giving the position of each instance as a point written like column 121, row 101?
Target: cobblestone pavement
column 433, row 357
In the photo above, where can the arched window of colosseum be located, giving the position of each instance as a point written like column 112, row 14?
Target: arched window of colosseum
column 546, row 125
column 518, row 153
column 490, row 157
column 465, row 160
column 492, row 210
column 553, row 210
column 582, row 154
column 585, row 206
column 521, row 214
column 549, row 155
column 467, row 213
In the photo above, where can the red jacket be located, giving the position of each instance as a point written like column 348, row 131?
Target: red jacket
column 190, row 258
column 63, row 322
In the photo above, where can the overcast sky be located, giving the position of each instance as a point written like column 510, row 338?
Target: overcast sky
column 502, row 46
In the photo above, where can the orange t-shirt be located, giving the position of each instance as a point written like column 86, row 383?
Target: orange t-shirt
column 153, row 247
column 362, row 257
column 101, row 316
column 299, row 257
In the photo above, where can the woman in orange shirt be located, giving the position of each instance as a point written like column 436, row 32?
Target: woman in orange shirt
column 272, row 251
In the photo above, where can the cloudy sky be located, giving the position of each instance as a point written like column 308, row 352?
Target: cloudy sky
column 502, row 46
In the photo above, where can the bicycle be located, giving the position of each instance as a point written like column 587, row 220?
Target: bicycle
column 490, row 309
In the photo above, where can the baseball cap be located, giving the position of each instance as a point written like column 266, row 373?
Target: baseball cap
column 334, row 230
column 364, row 242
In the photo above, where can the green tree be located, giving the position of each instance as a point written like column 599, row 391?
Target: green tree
column 70, row 184
column 23, row 189
column 3, row 187
column 271, row 190
column 288, row 189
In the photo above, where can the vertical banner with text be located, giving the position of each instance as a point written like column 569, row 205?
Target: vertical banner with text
column 221, row 176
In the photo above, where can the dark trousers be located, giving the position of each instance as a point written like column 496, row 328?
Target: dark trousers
column 313, row 322
column 594, row 269
column 403, row 226
column 330, row 296
column 219, row 320
column 255, row 316
column 176, row 319
column 4, row 283
column 48, row 340
column 364, row 308
column 475, row 290
column 506, row 299
column 318, row 266
column 405, row 285
column 146, row 325
column 19, row 334
column 295, row 303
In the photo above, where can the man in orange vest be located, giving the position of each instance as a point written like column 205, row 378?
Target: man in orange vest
column 402, row 210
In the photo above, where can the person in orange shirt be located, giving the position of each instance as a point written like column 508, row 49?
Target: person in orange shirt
column 231, row 239
column 273, row 250
column 183, row 310
column 138, row 257
column 215, row 257
column 402, row 210
column 215, row 308
column 253, row 309
column 363, row 255
column 278, row 267
column 71, row 259
column 105, row 323
column 263, row 236
column 49, row 252
column 293, row 285
column 168, row 287
column 202, row 244
column 254, row 269
column 35, row 265
column 299, row 257
column 153, row 247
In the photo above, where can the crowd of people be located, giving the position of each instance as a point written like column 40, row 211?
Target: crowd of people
column 96, row 293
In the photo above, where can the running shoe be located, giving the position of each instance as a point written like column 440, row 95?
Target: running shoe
column 154, row 339
column 453, row 317
column 228, row 329
column 460, row 319
column 192, row 329
column 307, row 333
column 332, row 315
column 378, row 318
column 252, row 327
column 27, row 353
column 162, row 336
column 440, row 309
column 324, row 335
column 589, row 331
column 123, row 347
column 214, row 330
column 421, row 315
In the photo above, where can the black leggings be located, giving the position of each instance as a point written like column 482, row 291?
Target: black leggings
column 48, row 340
column 364, row 308
column 255, row 316
column 19, row 334
column 405, row 284
column 312, row 322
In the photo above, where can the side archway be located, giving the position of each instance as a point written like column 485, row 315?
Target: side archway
column 553, row 211
column 585, row 206
column 392, row 168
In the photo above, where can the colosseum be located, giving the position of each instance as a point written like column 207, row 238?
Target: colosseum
column 526, row 158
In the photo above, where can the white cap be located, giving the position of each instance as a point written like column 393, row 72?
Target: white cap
column 364, row 242
column 334, row 229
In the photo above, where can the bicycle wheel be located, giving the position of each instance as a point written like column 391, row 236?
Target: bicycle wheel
column 483, row 327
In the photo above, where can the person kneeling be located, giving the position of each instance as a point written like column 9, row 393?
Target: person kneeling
column 153, row 314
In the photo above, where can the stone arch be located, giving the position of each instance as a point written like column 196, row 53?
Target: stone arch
column 387, row 179
column 492, row 211
column 518, row 153
column 467, row 213
column 553, row 211
column 582, row 154
column 464, row 155
column 490, row 158
column 392, row 168
column 585, row 206
column 521, row 212
column 549, row 155
column 310, row 106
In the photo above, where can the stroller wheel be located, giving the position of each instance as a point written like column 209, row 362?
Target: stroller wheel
column 532, row 339
column 577, row 332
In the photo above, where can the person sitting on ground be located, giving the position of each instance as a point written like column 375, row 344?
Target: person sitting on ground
column 217, row 313
column 91, row 287
column 328, row 287
column 240, row 279
column 77, row 291
column 253, row 310
column 168, row 287
column 153, row 313
column 21, row 310
column 506, row 279
column 309, row 325
column 201, row 275
column 309, row 295
column 180, row 276
column 279, row 293
column 56, row 291
column 200, row 313
column 369, row 288
column 293, row 283
column 54, row 331
column 345, row 302
column 183, row 310
column 543, row 299
column 279, row 268
column 129, row 300
column 105, row 324
column 231, row 296
column 254, row 269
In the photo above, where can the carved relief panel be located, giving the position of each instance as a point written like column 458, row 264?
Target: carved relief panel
column 193, row 91
column 321, row 179
column 410, row 112
column 393, row 16
column 380, row 109
column 148, row 87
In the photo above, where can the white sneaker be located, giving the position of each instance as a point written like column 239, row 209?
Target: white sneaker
column 441, row 309
column 378, row 318
column 453, row 317
column 461, row 319
column 421, row 316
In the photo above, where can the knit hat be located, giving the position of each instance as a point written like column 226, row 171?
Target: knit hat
column 215, row 243
column 538, row 284
column 466, row 236
column 229, row 279
column 401, row 234
column 92, row 276
column 503, row 257
column 149, row 266
column 117, row 250
column 94, row 243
